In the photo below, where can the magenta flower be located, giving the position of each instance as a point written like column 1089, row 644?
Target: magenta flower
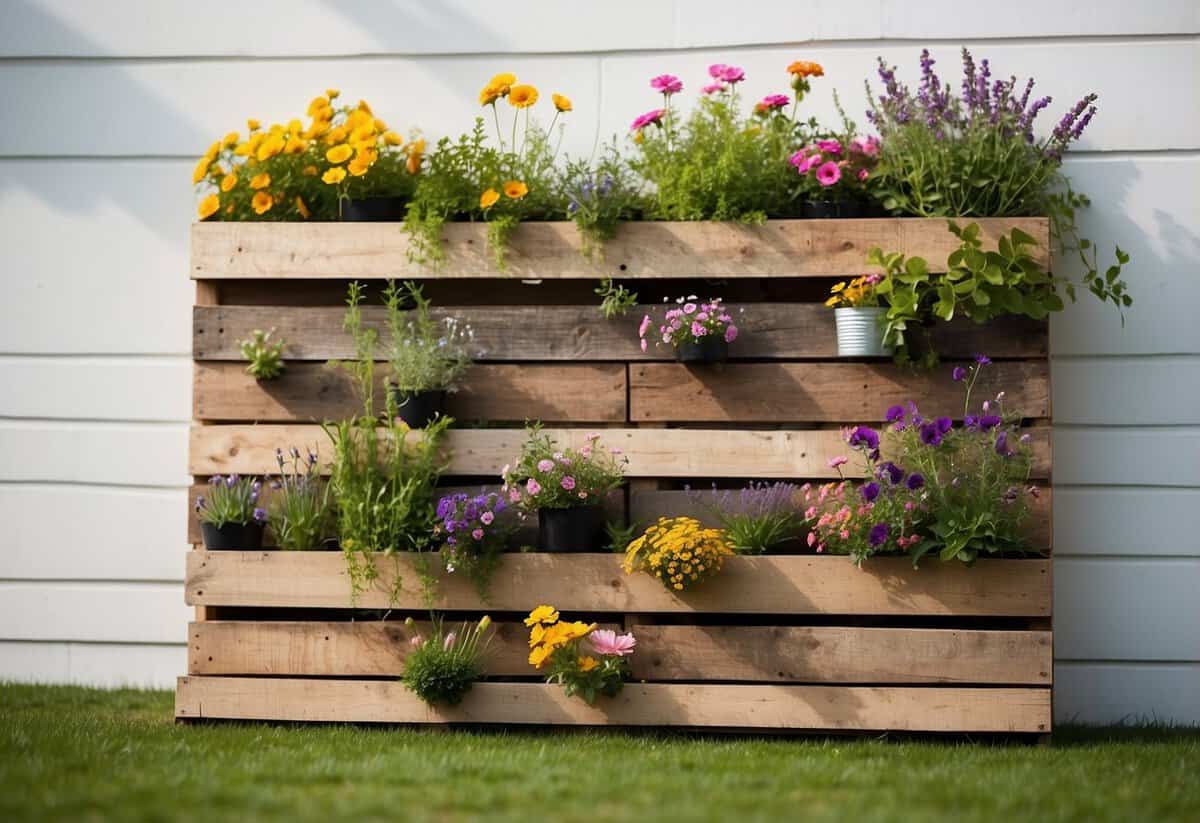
column 831, row 146
column 608, row 643
column 568, row 482
column 863, row 174
column 654, row 116
column 698, row 330
column 730, row 74
column 731, row 333
column 545, row 465
column 689, row 308
column 713, row 88
column 667, row 84
column 477, row 534
column 799, row 159
column 828, row 173
column 717, row 71
column 644, row 326
column 533, row 487
column 644, row 345
column 775, row 101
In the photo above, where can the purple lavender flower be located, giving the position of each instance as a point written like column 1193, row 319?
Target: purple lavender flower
column 930, row 434
column 215, row 480
column 894, row 414
column 983, row 360
column 864, row 436
column 260, row 515
column 870, row 491
column 1002, row 448
column 879, row 534
column 959, row 374
column 989, row 421
column 915, row 481
column 231, row 481
column 914, row 416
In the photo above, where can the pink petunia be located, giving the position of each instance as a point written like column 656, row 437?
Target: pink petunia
column 698, row 330
column 689, row 308
column 608, row 643
column 731, row 333
column 717, row 70
column 831, row 146
column 775, row 101
column 533, row 487
column 652, row 117
column 799, row 158
column 713, row 88
column 477, row 534
column 545, row 465
column 666, row 83
column 828, row 173
column 568, row 482
column 871, row 146
column 487, row 518
column 862, row 174
column 731, row 74
column 514, row 495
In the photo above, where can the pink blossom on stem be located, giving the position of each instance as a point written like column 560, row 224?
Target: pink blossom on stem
column 608, row 643
column 568, row 482
column 828, row 173
column 533, row 487
column 654, row 116
column 545, row 465
column 713, row 88
column 666, row 83
column 731, row 333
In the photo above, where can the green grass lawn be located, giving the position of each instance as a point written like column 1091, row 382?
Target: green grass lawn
column 81, row 754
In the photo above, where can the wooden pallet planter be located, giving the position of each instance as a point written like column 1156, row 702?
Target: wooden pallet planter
column 779, row 642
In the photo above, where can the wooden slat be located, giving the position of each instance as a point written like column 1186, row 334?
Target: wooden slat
column 821, row 392
column 773, row 654
column 780, row 248
column 829, row 654
column 769, row 330
column 647, row 506
column 928, row 709
column 577, row 392
column 796, row 453
column 587, row 583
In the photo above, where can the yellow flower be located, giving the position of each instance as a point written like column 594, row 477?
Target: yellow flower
column 270, row 147
column 201, row 169
column 586, row 664
column 488, row 199
column 302, row 208
column 542, row 614
column 561, row 102
column 576, row 630
column 837, row 288
column 380, row 126
column 295, row 145
column 522, row 97
column 363, row 107
column 489, row 95
column 260, row 181
column 334, row 175
column 332, row 94
column 212, row 150
column 253, row 124
column 309, row 171
column 538, row 656
column 515, row 189
column 262, row 202
column 339, row 154
column 336, row 135
column 316, row 106
column 416, row 150
column 503, row 81
column 536, row 634
column 230, row 140
column 831, row 302
column 209, row 206
column 392, row 139
column 360, row 164
column 229, row 181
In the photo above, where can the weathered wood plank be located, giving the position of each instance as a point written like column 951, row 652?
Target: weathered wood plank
column 594, row 583
column 834, row 654
column 821, row 392
column 575, row 392
column 834, row 708
column 786, row 454
column 769, row 330
column 779, row 248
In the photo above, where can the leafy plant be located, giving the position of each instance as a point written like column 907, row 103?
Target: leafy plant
column 599, row 198
column 757, row 518
column 231, row 500
column 265, row 356
column 600, row 668
column 423, row 355
column 300, row 506
column 547, row 477
column 620, row 535
column 615, row 299
column 442, row 668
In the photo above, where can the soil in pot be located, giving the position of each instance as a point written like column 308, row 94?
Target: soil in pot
column 373, row 210
column 709, row 349
column 578, row 529
column 419, row 409
column 827, row 209
column 232, row 536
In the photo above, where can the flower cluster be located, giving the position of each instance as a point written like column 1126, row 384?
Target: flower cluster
column 547, row 477
column 557, row 647
column 231, row 500
column 830, row 165
column 689, row 322
column 756, row 518
column 473, row 534
column 442, row 668
column 679, row 551
column 857, row 293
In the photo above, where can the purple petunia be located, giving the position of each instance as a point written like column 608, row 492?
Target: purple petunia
column 959, row 374
column 915, row 481
column 895, row 414
column 989, row 421
column 944, row 424
column 879, row 534
column 893, row 472
column 870, row 491
column 864, row 436
column 930, row 434
column 983, row 359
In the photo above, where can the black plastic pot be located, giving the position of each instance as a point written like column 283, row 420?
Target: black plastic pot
column 232, row 536
column 826, row 209
column 578, row 529
column 373, row 210
column 420, row 408
column 710, row 349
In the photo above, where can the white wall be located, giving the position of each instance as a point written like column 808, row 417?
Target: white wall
column 107, row 105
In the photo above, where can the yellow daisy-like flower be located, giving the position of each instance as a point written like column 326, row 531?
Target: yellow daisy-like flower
column 561, row 102
column 393, row 139
column 262, row 202
column 542, row 614
column 503, row 81
column 515, row 189
column 363, row 107
column 260, row 181
column 295, row 145
column 838, row 287
column 586, row 664
column 489, row 95
column 209, row 206
column 212, row 150
column 230, row 140
column 302, row 207
column 253, row 124
column 317, row 105
column 358, row 167
column 332, row 94
column 380, row 126
column 270, row 147
column 334, row 175
column 576, row 630
column 522, row 97
column 201, row 170
column 488, row 199
column 537, row 634
column 339, row 154
column 805, row 68
column 538, row 656
column 229, row 181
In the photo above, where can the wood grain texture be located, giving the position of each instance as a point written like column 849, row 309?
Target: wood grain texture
column 307, row 392
column 769, row 331
column 778, row 248
column 833, row 708
column 821, row 392
column 831, row 654
column 788, row 454
column 595, row 583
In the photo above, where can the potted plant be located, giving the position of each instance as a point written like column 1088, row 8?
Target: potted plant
column 443, row 667
column 265, row 357
column 679, row 551
column 833, row 175
column 230, row 517
column 589, row 671
column 566, row 487
column 427, row 358
column 299, row 516
column 859, row 317
column 698, row 332
column 473, row 532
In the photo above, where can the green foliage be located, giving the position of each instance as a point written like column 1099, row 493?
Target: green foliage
column 442, row 668
column 599, row 197
column 264, row 355
column 230, row 500
column 300, row 506
column 615, row 299
column 757, row 518
column 423, row 355
column 620, row 535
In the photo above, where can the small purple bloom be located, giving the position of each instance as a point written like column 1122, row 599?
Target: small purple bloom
column 894, row 472
column 931, row 435
column 864, row 436
column 944, row 424
column 895, row 414
column 879, row 534
column 231, row 481
column 1025, row 438
column 959, row 374
column 260, row 515
column 989, row 421
column 983, row 359
column 1002, row 448
column 915, row 481
column 199, row 503
column 215, row 480
column 870, row 491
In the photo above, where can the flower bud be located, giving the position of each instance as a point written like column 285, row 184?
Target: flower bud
column 484, row 622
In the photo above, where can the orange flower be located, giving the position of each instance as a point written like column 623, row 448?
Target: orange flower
column 488, row 199
column 260, row 181
column 262, row 202
column 515, row 189
column 489, row 95
column 522, row 97
column 503, row 81
column 302, row 208
column 335, row 175
column 209, row 206
column 392, row 139
column 309, row 171
column 805, row 68
column 416, row 151
column 228, row 181
column 561, row 102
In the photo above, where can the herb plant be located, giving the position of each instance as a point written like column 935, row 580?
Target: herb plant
column 599, row 198
column 264, row 355
column 423, row 355
column 615, row 299
column 231, row 500
column 300, row 506
column 757, row 518
column 443, row 667
column 547, row 477
column 597, row 668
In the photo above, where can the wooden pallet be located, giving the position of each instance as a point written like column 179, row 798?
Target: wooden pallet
column 791, row 642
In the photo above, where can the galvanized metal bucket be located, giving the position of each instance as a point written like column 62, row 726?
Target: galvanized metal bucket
column 860, row 332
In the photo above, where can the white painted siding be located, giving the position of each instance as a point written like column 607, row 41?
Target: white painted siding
column 115, row 99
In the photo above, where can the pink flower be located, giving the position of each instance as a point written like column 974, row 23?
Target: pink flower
column 545, row 465
column 831, row 146
column 487, row 518
column 689, row 308
column 871, row 146
column 533, row 487
column 862, row 174
column 717, row 70
column 514, row 495
column 666, row 83
column 731, row 333
column 614, row 450
column 448, row 643
column 810, row 512
column 844, row 534
column 838, row 461
column 608, row 643
column 654, row 116
column 644, row 327
column 730, row 74
column 477, row 534
column 698, row 330
column 800, row 159
column 416, row 640
column 713, row 88
column 568, row 482
column 775, row 101
column 583, row 495
column 828, row 173
column 643, row 345
column 586, row 451
column 812, row 538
